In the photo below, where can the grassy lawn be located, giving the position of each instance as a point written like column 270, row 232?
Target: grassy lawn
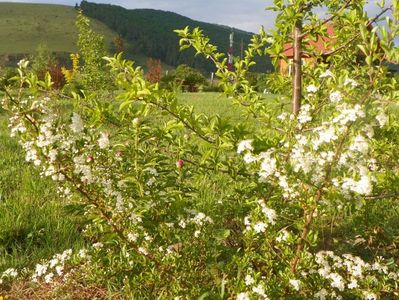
column 217, row 103
column 34, row 221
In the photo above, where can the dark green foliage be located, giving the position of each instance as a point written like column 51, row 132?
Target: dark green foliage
column 5, row 76
column 185, row 78
column 150, row 32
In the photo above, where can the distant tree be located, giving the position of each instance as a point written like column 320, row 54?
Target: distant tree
column 154, row 72
column 92, row 50
column 189, row 78
column 76, row 6
column 119, row 44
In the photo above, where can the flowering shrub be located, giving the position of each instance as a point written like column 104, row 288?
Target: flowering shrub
column 182, row 205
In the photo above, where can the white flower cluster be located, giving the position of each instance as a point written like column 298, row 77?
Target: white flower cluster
column 244, row 145
column 103, row 141
column 8, row 274
column 312, row 151
column 257, row 290
column 269, row 169
column 77, row 125
column 260, row 227
column 336, row 96
column 382, row 118
column 200, row 219
column 16, row 125
column 304, row 115
column 326, row 74
column 348, row 113
column 350, row 272
column 312, row 89
column 295, row 283
column 54, row 267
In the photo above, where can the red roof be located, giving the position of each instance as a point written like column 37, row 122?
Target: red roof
column 320, row 45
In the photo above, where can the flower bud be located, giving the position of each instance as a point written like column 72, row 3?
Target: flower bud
column 179, row 163
column 136, row 121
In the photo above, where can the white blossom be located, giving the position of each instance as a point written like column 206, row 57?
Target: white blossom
column 353, row 284
column 259, row 289
column 359, row 144
column 142, row 250
column 312, row 88
column 304, row 114
column 132, row 237
column 243, row 296
column 322, row 294
column 350, row 81
column 11, row 272
column 98, row 245
column 348, row 114
column 337, row 281
column 244, row 145
column 268, row 165
column 249, row 158
column 335, row 96
column 103, row 141
column 382, row 118
column 325, row 74
column 295, row 284
column 260, row 227
column 77, row 123
column 40, row 269
column 249, row 280
column 283, row 236
column 48, row 278
column 370, row 296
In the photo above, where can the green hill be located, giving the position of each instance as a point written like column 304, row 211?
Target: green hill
column 150, row 32
column 24, row 26
column 147, row 33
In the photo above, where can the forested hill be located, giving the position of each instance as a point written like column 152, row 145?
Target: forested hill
column 150, row 32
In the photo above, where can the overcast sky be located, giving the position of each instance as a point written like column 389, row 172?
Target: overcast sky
column 243, row 14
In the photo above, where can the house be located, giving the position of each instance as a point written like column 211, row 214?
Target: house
column 319, row 47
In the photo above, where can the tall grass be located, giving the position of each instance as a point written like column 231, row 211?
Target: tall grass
column 34, row 222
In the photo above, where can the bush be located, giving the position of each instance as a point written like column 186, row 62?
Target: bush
column 185, row 78
column 184, row 206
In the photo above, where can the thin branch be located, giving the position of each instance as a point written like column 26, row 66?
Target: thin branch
column 382, row 196
column 343, row 46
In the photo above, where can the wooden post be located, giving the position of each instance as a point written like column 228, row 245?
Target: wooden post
column 297, row 69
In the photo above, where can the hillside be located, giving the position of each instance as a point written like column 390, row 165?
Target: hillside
column 150, row 32
column 24, row 26
column 147, row 33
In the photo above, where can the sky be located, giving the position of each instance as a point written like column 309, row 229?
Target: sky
column 247, row 15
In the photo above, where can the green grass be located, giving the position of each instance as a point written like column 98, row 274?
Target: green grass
column 211, row 103
column 34, row 222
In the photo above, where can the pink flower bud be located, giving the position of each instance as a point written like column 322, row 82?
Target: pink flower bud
column 179, row 163
column 89, row 159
